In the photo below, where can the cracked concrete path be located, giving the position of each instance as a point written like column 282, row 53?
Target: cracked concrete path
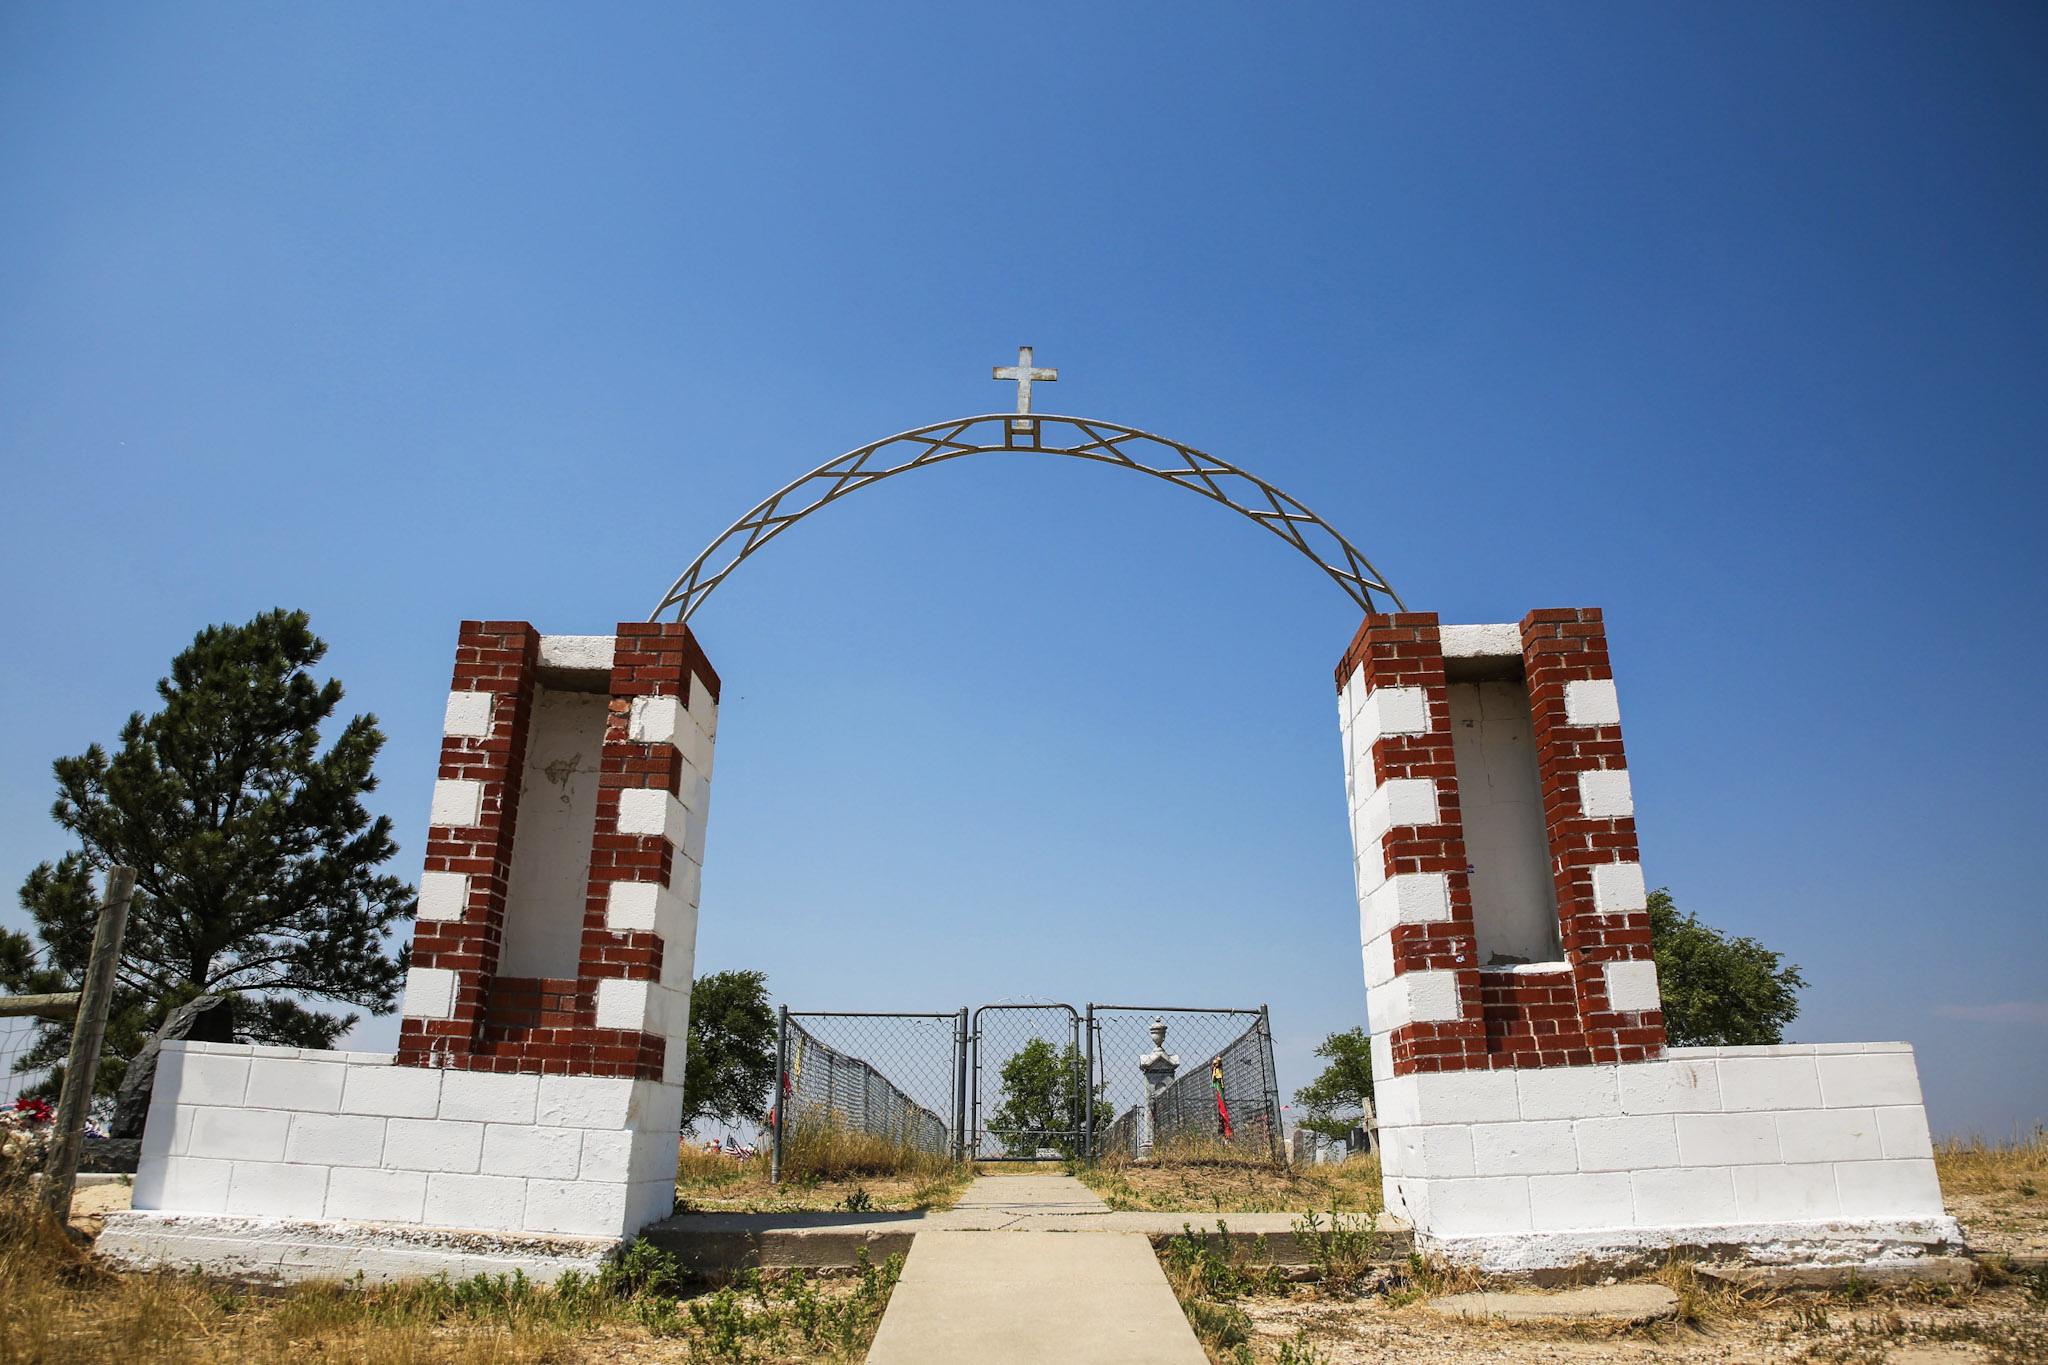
column 1020, row 1298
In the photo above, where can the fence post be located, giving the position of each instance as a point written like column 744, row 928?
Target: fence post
column 1088, row 1088
column 960, row 1086
column 1277, row 1140
column 782, row 1095
column 88, row 1031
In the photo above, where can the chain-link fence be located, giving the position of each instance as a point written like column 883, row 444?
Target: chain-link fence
column 1172, row 1075
column 891, row 1080
column 1028, row 1082
column 1030, row 1072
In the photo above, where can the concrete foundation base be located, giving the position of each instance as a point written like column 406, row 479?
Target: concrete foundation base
column 1868, row 1244
column 283, row 1251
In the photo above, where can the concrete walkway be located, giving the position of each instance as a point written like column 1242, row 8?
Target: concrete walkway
column 1007, row 1297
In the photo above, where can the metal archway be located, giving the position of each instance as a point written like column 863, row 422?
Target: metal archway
column 1079, row 438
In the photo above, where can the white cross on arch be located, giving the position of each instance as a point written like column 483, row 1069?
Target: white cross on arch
column 1024, row 374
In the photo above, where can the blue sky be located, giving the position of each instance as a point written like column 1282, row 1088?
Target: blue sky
column 1727, row 319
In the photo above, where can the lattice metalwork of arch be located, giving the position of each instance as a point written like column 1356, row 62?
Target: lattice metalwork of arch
column 1080, row 438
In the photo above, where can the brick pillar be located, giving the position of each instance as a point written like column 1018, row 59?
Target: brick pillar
column 639, row 919
column 469, row 843
column 1589, row 813
column 1415, row 907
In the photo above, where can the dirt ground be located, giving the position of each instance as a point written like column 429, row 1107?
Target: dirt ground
column 1987, row 1325
column 727, row 1186
column 1235, row 1186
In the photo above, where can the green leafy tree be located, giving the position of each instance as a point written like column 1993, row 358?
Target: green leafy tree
column 1042, row 1104
column 730, row 1073
column 256, row 863
column 1718, row 991
column 1336, row 1100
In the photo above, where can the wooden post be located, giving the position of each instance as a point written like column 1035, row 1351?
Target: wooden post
column 88, row 1031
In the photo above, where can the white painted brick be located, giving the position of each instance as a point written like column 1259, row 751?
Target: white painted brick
column 1566, row 1203
column 1618, row 889
column 649, row 907
column 658, row 720
column 1670, row 1087
column 623, row 1004
column 1868, row 1079
column 688, row 883
column 1684, row 1197
column 585, row 1102
column 1632, row 986
column 240, row 1134
column 651, row 810
column 201, row 1078
column 1542, row 1148
column 443, row 895
column 581, row 653
column 376, row 1196
column 1830, row 1135
column 1391, row 711
column 1382, row 1051
column 1770, row 1194
column 429, row 993
column 1476, row 642
column 523, row 1149
column 703, row 709
column 1479, row 1208
column 160, row 1130
column 469, row 714
column 1631, row 1143
column 1888, row 1189
column 692, row 846
column 433, row 1145
column 404, row 1092
column 1412, row 997
column 336, row 1139
column 701, row 748
column 1903, row 1131
column 1727, row 1139
column 458, row 802
column 653, row 1158
column 273, row 1189
column 1351, row 696
column 1396, row 1145
column 1379, row 961
column 314, row 1087
column 491, row 1202
column 1566, row 1092
column 649, row 1202
column 657, row 1107
column 1465, row 1097
column 1409, row 898
column 486, row 1096
column 607, row 1155
column 574, row 1207
column 1396, row 804
column 1605, row 794
column 1769, row 1083
column 694, row 792
column 1591, row 702
column 188, row 1184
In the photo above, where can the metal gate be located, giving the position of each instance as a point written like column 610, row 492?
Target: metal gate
column 1031, row 1066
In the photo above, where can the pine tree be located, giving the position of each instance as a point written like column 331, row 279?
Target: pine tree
column 255, row 860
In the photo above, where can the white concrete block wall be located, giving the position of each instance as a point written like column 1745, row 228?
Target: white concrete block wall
column 305, row 1134
column 1804, row 1146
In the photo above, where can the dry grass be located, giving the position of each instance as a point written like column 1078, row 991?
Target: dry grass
column 1212, row 1178
column 58, row 1308
column 1972, row 1165
column 1998, row 1191
column 825, row 1166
